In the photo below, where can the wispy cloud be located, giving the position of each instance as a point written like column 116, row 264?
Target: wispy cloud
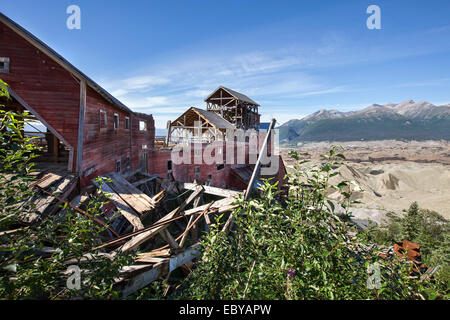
column 271, row 77
column 259, row 74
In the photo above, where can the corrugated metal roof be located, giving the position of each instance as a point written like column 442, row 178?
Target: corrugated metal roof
column 237, row 95
column 215, row 119
column 63, row 62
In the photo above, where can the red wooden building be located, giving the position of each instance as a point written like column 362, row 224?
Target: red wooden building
column 87, row 128
column 92, row 133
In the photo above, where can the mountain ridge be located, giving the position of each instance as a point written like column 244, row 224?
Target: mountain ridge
column 407, row 120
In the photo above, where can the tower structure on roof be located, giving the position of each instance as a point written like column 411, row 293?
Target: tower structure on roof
column 235, row 107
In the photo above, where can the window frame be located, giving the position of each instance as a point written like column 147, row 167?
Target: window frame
column 105, row 120
column 146, row 126
column 6, row 64
column 116, row 125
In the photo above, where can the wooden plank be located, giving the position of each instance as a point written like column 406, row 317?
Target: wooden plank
column 65, row 194
column 211, row 190
column 143, row 237
column 45, row 202
column 135, row 198
column 169, row 239
column 82, row 212
column 258, row 162
column 255, row 173
column 122, row 238
column 223, row 205
column 140, row 182
column 151, row 260
column 142, row 280
column 160, row 253
column 122, row 206
column 81, row 123
column 48, row 179
column 135, row 268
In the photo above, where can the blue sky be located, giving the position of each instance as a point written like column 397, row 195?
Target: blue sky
column 293, row 57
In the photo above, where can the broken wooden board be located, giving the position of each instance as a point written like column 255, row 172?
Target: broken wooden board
column 122, row 206
column 140, row 182
column 59, row 185
column 145, row 236
column 143, row 279
column 160, row 253
column 134, row 197
column 211, row 190
column 221, row 206
column 151, row 260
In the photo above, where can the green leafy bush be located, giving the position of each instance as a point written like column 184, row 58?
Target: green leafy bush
column 35, row 257
column 297, row 249
column 425, row 227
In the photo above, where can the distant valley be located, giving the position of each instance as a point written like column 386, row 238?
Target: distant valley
column 408, row 120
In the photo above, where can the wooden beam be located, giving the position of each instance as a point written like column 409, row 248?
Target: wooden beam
column 122, row 206
column 134, row 197
column 81, row 117
column 143, row 237
column 258, row 162
column 82, row 212
column 140, row 182
column 211, row 190
column 220, row 206
column 255, row 173
column 142, row 280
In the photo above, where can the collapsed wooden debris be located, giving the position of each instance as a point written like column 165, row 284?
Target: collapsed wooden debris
column 161, row 219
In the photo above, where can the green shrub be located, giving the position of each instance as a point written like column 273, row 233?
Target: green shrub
column 34, row 258
column 425, row 227
column 298, row 249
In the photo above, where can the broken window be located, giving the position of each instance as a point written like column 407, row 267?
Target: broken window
column 127, row 123
column 142, row 125
column 116, row 121
column 118, row 167
column 102, row 119
column 4, row 65
column 220, row 167
column 197, row 171
column 169, row 165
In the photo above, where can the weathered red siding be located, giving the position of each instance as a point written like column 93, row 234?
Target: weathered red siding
column 42, row 83
column 54, row 93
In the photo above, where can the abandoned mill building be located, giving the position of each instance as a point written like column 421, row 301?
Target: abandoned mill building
column 90, row 133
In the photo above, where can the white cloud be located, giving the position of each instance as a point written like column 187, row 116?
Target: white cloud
column 169, row 89
column 143, row 82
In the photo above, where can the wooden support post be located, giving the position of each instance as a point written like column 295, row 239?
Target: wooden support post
column 169, row 128
column 254, row 175
column 258, row 162
column 81, row 118
column 55, row 147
